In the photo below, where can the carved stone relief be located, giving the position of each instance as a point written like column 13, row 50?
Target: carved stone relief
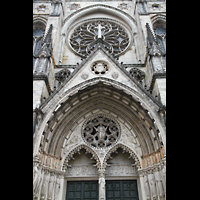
column 81, row 171
column 115, row 75
column 84, row 76
column 121, row 170
column 74, row 140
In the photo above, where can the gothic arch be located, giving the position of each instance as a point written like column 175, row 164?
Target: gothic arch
column 39, row 21
column 60, row 116
column 110, row 12
column 159, row 19
column 125, row 149
column 77, row 150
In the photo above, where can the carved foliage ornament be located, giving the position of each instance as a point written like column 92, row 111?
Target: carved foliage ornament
column 100, row 131
column 113, row 36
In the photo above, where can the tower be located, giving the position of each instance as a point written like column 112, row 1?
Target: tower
column 99, row 99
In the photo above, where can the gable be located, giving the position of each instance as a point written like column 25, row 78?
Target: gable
column 94, row 67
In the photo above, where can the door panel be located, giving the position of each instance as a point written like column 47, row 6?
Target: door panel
column 82, row 190
column 121, row 190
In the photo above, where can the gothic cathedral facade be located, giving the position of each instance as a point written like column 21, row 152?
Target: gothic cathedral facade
column 99, row 100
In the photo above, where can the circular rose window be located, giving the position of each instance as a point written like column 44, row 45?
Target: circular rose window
column 113, row 36
column 101, row 131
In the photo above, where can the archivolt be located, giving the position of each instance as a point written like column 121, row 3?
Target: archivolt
column 95, row 98
column 65, row 110
column 98, row 8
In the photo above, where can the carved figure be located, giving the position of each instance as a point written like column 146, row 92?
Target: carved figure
column 102, row 188
column 159, row 184
column 51, row 186
column 152, row 185
column 146, row 187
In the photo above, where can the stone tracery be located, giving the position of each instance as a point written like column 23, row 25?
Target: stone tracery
column 84, row 38
column 100, row 131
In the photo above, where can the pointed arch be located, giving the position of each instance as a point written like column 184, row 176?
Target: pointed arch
column 77, row 150
column 132, row 153
column 67, row 110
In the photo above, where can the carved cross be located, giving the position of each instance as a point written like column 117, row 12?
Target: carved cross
column 99, row 28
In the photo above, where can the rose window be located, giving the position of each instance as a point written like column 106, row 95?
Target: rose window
column 114, row 38
column 101, row 131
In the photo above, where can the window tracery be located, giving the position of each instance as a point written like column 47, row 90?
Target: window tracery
column 38, row 34
column 160, row 33
column 113, row 36
column 101, row 131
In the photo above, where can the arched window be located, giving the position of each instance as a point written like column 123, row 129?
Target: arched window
column 38, row 33
column 160, row 33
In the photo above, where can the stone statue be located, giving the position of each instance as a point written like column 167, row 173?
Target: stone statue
column 159, row 184
column 152, row 185
column 102, row 185
column 146, row 187
column 51, row 186
column 57, row 187
column 45, row 184
column 102, row 188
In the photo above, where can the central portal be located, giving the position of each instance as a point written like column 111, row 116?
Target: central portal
column 121, row 190
column 82, row 190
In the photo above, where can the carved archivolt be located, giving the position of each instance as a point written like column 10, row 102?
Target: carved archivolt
column 77, row 150
column 125, row 149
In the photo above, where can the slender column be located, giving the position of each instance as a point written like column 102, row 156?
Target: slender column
column 102, row 193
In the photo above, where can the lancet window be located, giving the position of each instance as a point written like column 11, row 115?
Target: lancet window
column 160, row 33
column 38, row 34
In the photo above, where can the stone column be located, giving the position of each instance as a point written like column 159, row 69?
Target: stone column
column 102, row 193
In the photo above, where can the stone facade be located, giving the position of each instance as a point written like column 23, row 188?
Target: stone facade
column 99, row 95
